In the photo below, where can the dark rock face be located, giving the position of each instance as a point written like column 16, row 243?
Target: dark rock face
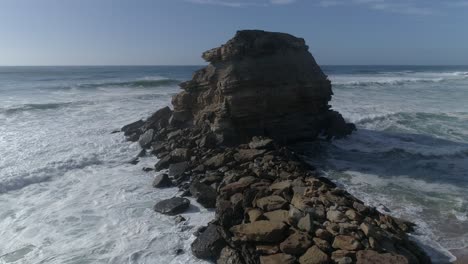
column 162, row 181
column 209, row 244
column 260, row 83
column 172, row 206
column 204, row 194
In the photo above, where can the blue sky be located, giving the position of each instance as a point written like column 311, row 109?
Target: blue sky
column 176, row 32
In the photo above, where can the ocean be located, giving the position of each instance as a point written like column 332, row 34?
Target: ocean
column 69, row 195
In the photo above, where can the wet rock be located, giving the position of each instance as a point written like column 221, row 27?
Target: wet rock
column 260, row 231
column 229, row 256
column 296, row 244
column 172, row 206
column 146, row 138
column 244, row 155
column 216, row 161
column 204, row 194
column 261, row 143
column 179, row 219
column 163, row 163
column 314, row 256
column 280, row 258
column 132, row 127
column 177, row 169
column 371, row 257
column 346, row 243
column 146, row 169
column 209, row 243
column 162, row 181
column 180, row 155
column 158, row 120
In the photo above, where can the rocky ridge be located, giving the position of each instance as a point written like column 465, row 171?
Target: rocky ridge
column 224, row 145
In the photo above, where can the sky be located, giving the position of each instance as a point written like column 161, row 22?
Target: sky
column 176, row 32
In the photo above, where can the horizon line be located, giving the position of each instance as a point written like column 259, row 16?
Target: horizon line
column 191, row 65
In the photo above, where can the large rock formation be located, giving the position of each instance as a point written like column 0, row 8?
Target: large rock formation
column 260, row 84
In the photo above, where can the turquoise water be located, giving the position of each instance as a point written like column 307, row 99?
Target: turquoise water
column 68, row 195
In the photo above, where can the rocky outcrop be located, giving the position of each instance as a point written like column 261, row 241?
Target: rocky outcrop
column 260, row 84
column 270, row 205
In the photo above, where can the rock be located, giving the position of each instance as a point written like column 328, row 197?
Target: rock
column 336, row 216
column 204, row 194
column 132, row 127
column 134, row 161
column 278, row 216
column 244, row 155
column 172, row 206
column 340, row 254
column 207, row 141
column 281, row 186
column 229, row 256
column 260, row 83
column 209, row 243
column 267, row 249
column 314, row 256
column 371, row 257
column 146, row 169
column 306, row 223
column 180, row 155
column 158, row 120
column 296, row 244
column 162, row 181
column 216, row 161
column 346, row 243
column 280, row 258
column 254, row 214
column 261, row 143
column 271, row 203
column 260, row 231
column 179, row 219
column 146, row 138
column 163, row 163
column 322, row 244
column 323, row 234
column 176, row 170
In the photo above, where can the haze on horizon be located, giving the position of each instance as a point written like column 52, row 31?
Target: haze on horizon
column 145, row 32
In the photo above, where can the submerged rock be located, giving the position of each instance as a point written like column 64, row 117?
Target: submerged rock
column 172, row 206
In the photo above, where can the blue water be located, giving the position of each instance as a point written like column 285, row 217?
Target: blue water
column 68, row 195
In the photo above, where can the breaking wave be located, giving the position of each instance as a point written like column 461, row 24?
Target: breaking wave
column 39, row 107
column 135, row 84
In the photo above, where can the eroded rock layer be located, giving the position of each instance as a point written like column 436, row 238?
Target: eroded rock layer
column 260, row 83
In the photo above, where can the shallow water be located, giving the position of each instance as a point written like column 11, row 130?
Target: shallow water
column 68, row 194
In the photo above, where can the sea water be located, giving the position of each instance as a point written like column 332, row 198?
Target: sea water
column 69, row 195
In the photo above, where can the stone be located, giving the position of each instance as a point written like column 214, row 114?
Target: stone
column 163, row 163
column 352, row 214
column 172, row 206
column 260, row 231
column 177, row 169
column 159, row 119
column 346, row 243
column 254, row 214
column 336, row 216
column 209, row 243
column 314, row 256
column 162, row 181
column 306, row 223
column 132, row 127
column 271, row 203
column 323, row 234
column 180, row 155
column 146, row 138
column 229, row 256
column 322, row 244
column 267, row 249
column 260, row 84
column 204, row 194
column 261, row 143
column 371, row 257
column 339, row 254
column 216, row 161
column 179, row 219
column 280, row 258
column 296, row 244
column 244, row 155
column 278, row 216
column 281, row 186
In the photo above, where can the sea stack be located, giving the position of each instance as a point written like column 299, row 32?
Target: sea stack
column 260, row 84
column 225, row 144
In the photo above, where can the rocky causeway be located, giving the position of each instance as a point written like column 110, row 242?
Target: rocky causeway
column 225, row 142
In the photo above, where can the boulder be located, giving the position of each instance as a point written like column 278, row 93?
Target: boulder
column 244, row 155
column 172, row 206
column 162, row 181
column 177, row 169
column 229, row 256
column 346, row 243
column 278, row 216
column 271, row 203
column 146, row 138
column 216, row 161
column 280, row 258
column 296, row 244
column 204, row 194
column 180, row 154
column 261, row 143
column 158, row 120
column 314, row 256
column 371, row 257
column 209, row 243
column 163, row 163
column 132, row 127
column 260, row 231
